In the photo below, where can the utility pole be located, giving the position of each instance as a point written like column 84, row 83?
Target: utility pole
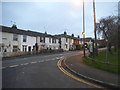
column 83, row 30
column 95, row 35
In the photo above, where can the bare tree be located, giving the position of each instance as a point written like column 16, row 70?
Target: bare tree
column 109, row 28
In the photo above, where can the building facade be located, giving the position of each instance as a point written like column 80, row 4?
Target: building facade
column 18, row 40
column 68, row 42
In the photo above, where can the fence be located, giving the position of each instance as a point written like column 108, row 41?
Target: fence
column 92, row 59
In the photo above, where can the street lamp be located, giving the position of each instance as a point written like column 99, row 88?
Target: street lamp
column 83, row 33
column 94, row 13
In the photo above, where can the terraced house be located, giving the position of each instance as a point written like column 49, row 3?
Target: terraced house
column 68, row 42
column 18, row 40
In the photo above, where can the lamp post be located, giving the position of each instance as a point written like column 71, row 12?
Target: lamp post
column 83, row 33
column 94, row 13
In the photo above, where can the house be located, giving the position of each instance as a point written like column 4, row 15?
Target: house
column 87, row 40
column 77, row 43
column 68, row 42
column 64, row 41
column 51, row 42
column 18, row 40
column 15, row 40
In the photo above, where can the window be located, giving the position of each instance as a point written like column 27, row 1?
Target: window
column 24, row 38
column 24, row 48
column 55, row 40
column 66, row 45
column 15, row 48
column 42, row 39
column 66, row 40
column 49, row 40
column 15, row 37
column 0, row 49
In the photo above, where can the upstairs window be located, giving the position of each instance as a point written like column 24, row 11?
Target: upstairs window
column 15, row 37
column 55, row 40
column 24, row 38
column 44, row 39
column 41, row 39
column 49, row 40
column 66, row 39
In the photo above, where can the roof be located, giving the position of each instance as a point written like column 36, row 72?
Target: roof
column 24, row 32
column 67, row 36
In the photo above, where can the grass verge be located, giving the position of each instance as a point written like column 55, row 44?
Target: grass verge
column 113, row 58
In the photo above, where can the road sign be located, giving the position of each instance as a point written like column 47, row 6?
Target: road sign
column 83, row 33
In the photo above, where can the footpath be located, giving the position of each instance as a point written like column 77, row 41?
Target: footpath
column 104, row 78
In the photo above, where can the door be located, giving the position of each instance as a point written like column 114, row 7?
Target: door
column 29, row 48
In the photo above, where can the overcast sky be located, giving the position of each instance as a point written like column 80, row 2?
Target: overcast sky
column 55, row 17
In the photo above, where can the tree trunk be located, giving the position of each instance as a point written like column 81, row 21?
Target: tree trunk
column 109, row 48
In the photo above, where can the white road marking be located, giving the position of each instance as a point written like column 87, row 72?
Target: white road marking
column 14, row 66
column 47, row 60
column 57, row 58
column 33, row 62
column 40, row 61
column 24, row 64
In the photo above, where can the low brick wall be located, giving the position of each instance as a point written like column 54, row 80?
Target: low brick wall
column 13, row 54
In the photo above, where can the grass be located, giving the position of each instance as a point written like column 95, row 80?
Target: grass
column 112, row 58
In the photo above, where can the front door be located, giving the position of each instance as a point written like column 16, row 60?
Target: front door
column 29, row 48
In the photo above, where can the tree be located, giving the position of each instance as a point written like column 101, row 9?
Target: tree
column 109, row 28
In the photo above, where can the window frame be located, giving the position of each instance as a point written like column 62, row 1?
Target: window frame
column 24, row 38
column 15, row 37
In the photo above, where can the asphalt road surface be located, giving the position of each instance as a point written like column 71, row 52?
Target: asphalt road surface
column 38, row 71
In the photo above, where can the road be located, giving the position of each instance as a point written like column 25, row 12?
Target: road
column 38, row 71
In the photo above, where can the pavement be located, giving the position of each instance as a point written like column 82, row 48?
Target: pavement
column 74, row 65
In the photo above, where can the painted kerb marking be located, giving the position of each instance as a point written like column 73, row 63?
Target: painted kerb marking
column 74, row 77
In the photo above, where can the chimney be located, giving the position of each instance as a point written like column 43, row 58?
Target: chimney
column 72, row 35
column 65, row 33
column 14, row 26
column 45, row 32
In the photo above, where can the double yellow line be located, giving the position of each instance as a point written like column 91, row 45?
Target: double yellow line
column 74, row 77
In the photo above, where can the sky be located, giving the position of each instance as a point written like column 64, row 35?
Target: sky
column 55, row 17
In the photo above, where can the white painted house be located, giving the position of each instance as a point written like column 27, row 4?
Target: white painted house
column 14, row 40
column 51, row 42
column 68, row 42
column 17, row 40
